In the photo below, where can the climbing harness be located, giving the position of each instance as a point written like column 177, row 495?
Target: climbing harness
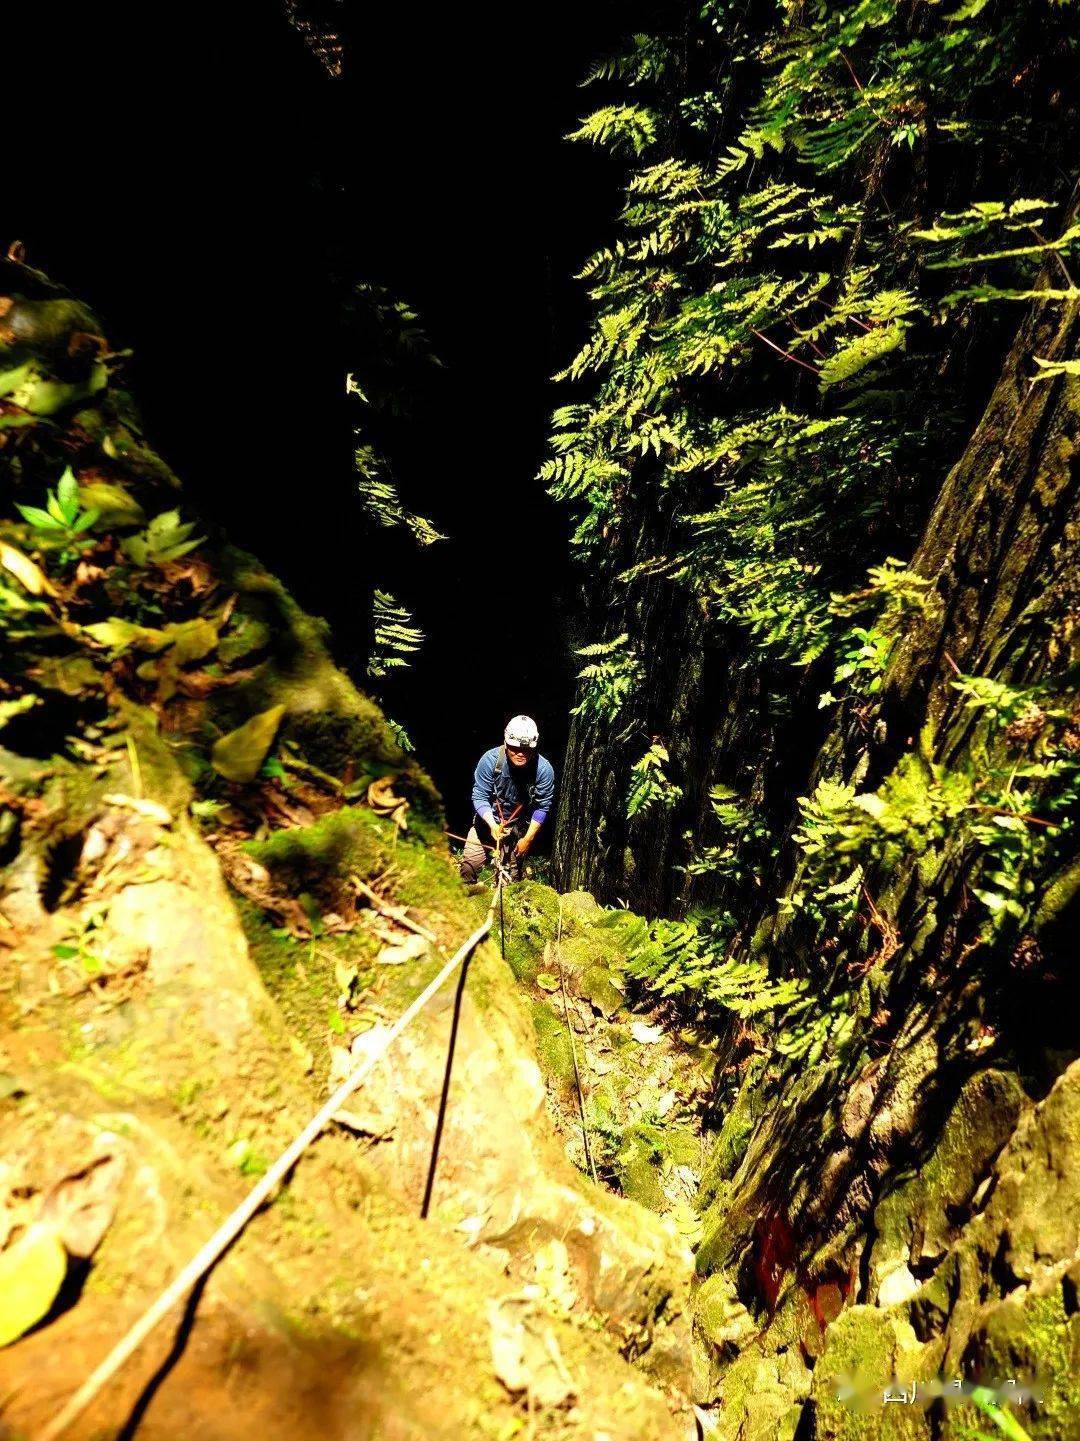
column 504, row 819
column 263, row 1191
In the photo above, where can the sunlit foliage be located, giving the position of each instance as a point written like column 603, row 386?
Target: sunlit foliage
column 820, row 201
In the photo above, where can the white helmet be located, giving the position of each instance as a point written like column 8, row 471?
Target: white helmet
column 521, row 733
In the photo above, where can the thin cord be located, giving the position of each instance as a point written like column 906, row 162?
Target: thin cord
column 573, row 1046
column 502, row 919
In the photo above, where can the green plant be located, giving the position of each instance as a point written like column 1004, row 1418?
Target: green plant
column 1005, row 1423
column 630, row 127
column 395, row 636
column 1008, row 814
column 90, row 964
column 390, row 363
column 649, row 786
column 747, row 841
column 1021, row 821
column 166, row 538
column 63, row 519
column 392, row 358
column 208, row 810
column 689, row 962
column 400, row 734
column 996, row 233
column 756, row 418
column 609, row 678
column 381, row 499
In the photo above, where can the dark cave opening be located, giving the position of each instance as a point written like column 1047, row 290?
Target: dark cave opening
column 227, row 193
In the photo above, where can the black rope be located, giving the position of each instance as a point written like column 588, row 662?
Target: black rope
column 502, row 872
column 502, row 868
column 440, row 1122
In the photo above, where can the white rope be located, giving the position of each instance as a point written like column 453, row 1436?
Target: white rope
column 262, row 1191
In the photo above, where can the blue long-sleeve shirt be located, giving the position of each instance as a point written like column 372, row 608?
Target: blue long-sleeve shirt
column 512, row 786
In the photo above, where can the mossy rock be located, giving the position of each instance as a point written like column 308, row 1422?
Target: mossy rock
column 246, row 639
column 645, row 1153
column 50, row 358
column 588, row 932
column 917, row 1221
column 762, row 1382
column 720, row 1316
column 300, row 977
column 718, row 1233
column 578, row 954
column 621, row 931
column 1033, row 1334
column 638, row 1174
column 725, row 1155
column 333, row 725
column 553, row 1045
column 318, row 859
column 580, row 911
column 598, row 988
column 531, row 915
column 874, row 1349
column 683, row 1145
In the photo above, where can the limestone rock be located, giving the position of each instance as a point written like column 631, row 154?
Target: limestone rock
column 915, row 1223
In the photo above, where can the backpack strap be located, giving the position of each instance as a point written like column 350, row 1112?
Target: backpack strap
column 499, row 760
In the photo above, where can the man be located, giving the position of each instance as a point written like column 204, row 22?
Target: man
column 512, row 793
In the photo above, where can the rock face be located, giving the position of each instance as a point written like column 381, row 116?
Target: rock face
column 999, row 1299
column 893, row 865
column 904, row 1205
column 192, row 798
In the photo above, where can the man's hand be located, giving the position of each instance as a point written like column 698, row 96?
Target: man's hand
column 524, row 846
column 496, row 832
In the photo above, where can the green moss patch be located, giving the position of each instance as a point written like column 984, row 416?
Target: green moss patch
column 531, row 913
column 553, row 1045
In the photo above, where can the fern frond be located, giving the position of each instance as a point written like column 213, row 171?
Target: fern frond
column 620, row 127
column 395, row 636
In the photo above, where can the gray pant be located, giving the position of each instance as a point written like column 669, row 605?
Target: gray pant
column 474, row 857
